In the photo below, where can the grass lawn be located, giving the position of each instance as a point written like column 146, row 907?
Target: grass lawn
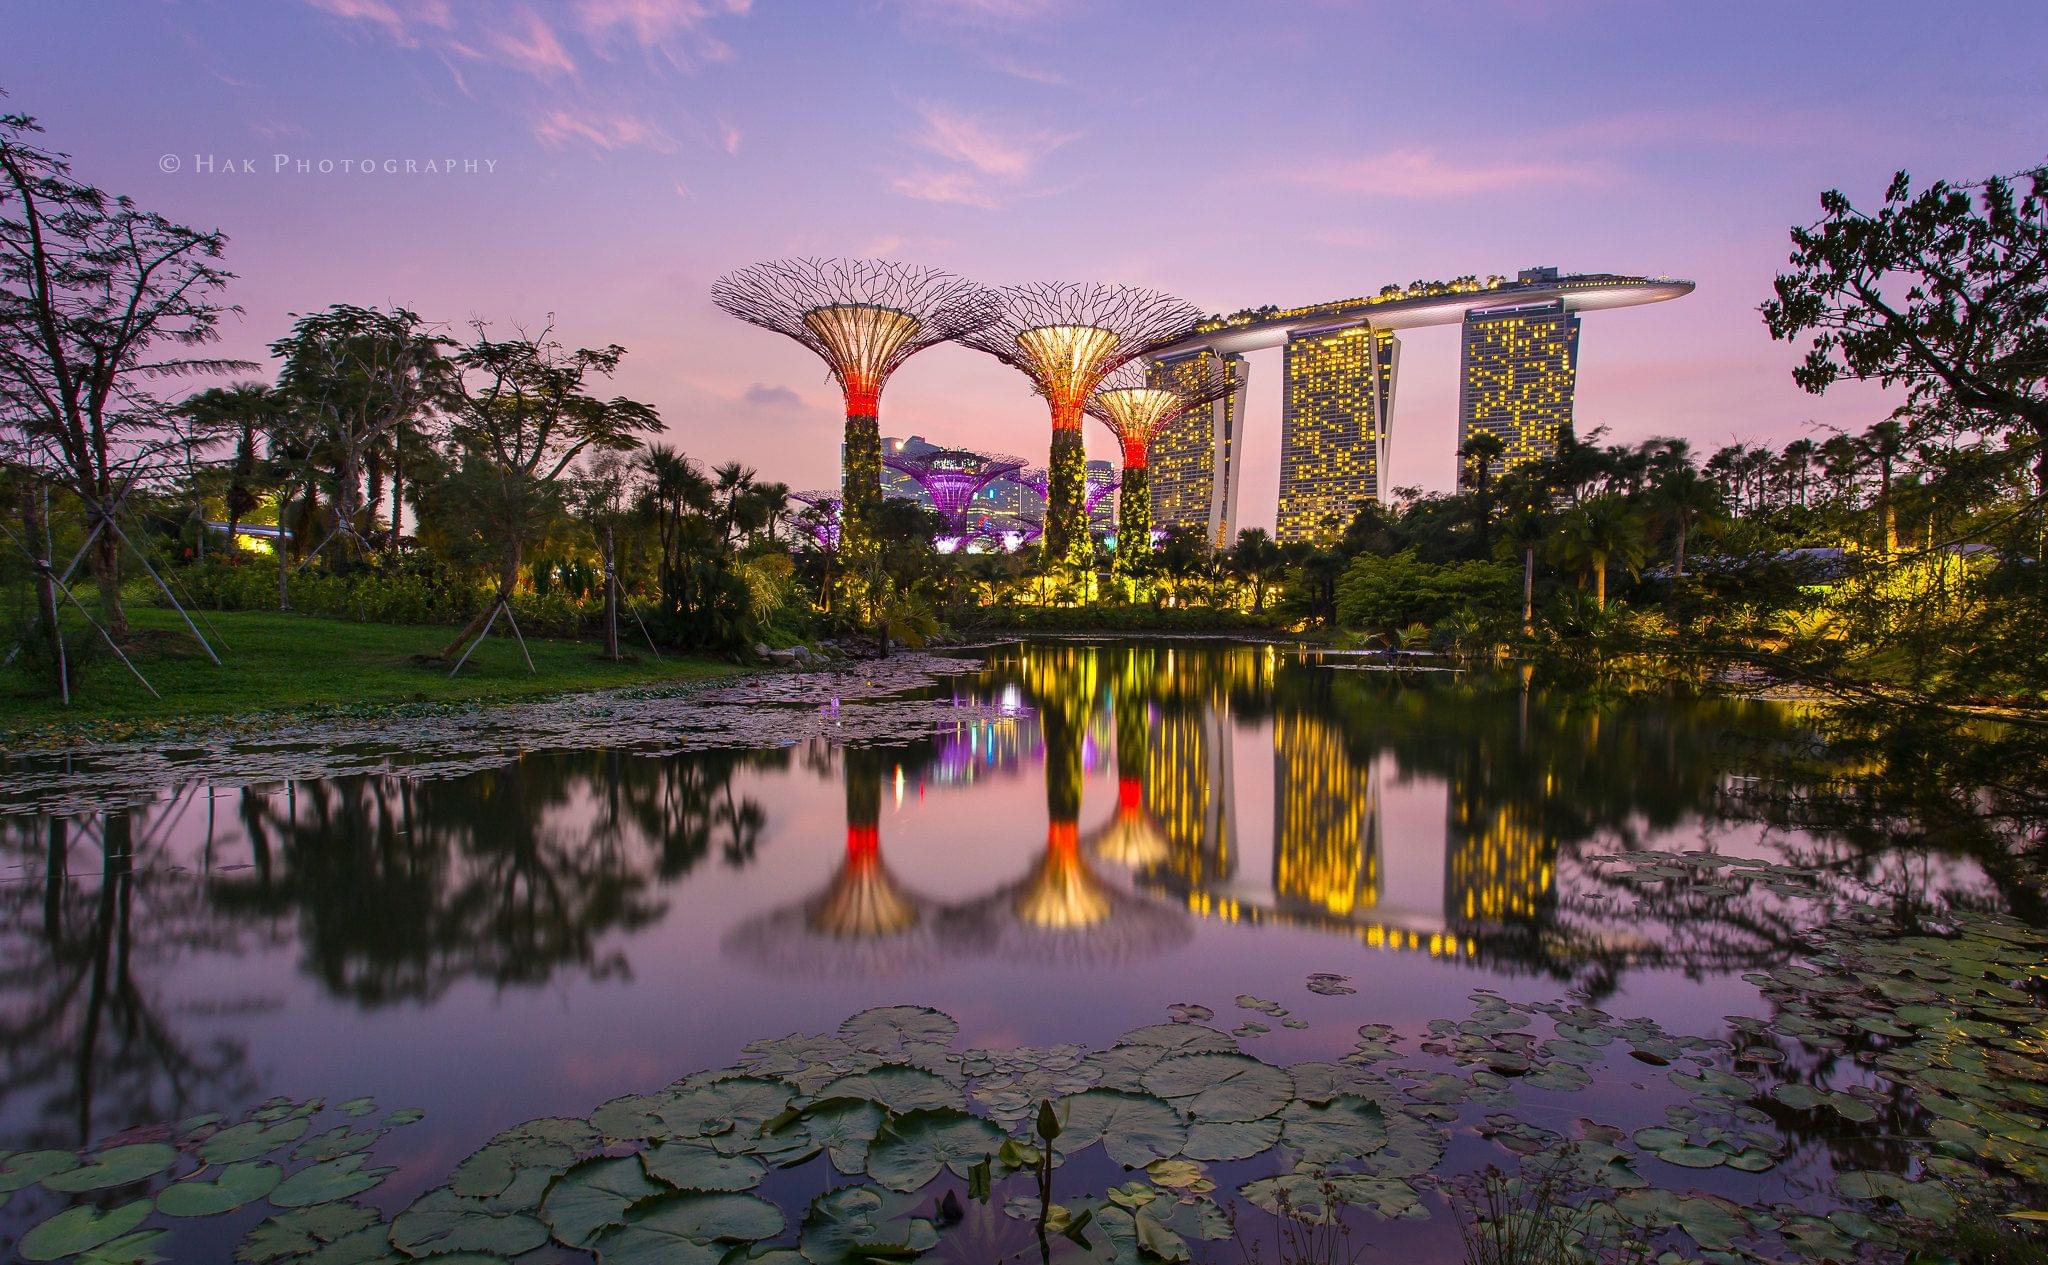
column 278, row 661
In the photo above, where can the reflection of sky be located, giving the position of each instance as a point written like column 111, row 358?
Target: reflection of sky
column 679, row 1001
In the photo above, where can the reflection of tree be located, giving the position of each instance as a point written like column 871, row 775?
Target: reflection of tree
column 510, row 875
column 84, row 1033
column 864, row 923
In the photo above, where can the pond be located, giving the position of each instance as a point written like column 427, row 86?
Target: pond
column 1304, row 856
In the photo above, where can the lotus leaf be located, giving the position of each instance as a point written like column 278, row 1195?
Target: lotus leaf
column 1233, row 1141
column 250, row 1139
column 896, row 1087
column 26, row 1168
column 845, row 1127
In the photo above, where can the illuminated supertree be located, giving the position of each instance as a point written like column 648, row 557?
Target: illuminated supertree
column 953, row 477
column 821, row 521
column 1066, row 338
column 864, row 317
column 1137, row 402
column 1100, row 483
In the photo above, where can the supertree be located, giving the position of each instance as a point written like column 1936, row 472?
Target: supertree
column 1099, row 483
column 1137, row 402
column 1066, row 337
column 864, row 317
column 953, row 477
column 821, row 524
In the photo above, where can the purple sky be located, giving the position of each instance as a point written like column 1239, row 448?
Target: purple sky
column 1233, row 153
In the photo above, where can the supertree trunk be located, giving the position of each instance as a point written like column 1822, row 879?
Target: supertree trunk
column 860, row 485
column 1066, row 502
column 1134, row 518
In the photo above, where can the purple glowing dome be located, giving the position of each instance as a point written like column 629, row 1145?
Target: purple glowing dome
column 952, row 477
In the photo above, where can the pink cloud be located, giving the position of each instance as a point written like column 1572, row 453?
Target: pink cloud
column 956, row 187
column 399, row 19
column 1422, row 173
column 538, row 53
column 729, row 137
column 607, row 131
column 966, row 139
column 660, row 24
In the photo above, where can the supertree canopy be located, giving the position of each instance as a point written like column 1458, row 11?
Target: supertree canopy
column 1136, row 402
column 864, row 317
column 822, row 522
column 1066, row 337
column 953, row 477
column 1098, row 484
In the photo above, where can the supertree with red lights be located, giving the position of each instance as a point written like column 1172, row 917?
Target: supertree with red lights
column 1066, row 337
column 864, row 318
column 1137, row 402
column 953, row 477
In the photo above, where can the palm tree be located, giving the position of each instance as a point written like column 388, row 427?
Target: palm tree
column 1882, row 445
column 1681, row 497
column 242, row 410
column 1480, row 454
column 1797, row 461
column 1598, row 532
column 1257, row 559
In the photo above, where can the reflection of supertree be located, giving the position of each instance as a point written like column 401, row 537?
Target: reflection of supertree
column 864, row 923
column 953, row 477
column 1066, row 337
column 1132, row 839
column 79, row 1021
column 820, row 519
column 864, row 317
column 1137, row 403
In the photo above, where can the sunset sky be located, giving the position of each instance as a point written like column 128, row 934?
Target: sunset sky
column 630, row 151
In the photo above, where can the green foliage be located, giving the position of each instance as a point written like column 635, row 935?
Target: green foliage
column 1382, row 596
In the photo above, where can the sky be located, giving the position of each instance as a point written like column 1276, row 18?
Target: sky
column 614, row 157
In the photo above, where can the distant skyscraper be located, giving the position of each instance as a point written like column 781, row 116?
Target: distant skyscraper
column 1518, row 370
column 895, row 483
column 1335, row 421
column 1194, row 459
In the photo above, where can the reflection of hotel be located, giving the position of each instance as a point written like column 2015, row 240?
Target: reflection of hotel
column 1325, row 821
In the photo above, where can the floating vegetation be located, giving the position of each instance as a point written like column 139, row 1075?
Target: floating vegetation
column 869, row 702
column 1929, row 1035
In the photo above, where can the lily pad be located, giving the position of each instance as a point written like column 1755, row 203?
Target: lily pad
column 911, row 1149
column 688, row 1166
column 892, row 1027
column 302, row 1231
column 687, row 1226
column 249, row 1139
column 229, row 1189
column 328, row 1181
column 845, row 1127
column 1134, row 1129
column 1236, row 1140
column 896, row 1087
column 81, row 1229
column 853, row 1226
column 442, row 1221
column 1344, row 1128
column 1221, row 1088
column 26, row 1168
column 115, row 1166
column 594, row 1196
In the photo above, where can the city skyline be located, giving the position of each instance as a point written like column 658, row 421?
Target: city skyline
column 638, row 150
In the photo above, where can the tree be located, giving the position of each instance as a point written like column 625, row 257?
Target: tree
column 1944, row 291
column 1682, row 498
column 1477, row 458
column 240, row 412
column 93, row 292
column 1598, row 532
column 1258, row 561
column 522, row 415
column 352, row 378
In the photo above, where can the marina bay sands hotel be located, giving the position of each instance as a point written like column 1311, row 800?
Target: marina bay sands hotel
column 1341, row 361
